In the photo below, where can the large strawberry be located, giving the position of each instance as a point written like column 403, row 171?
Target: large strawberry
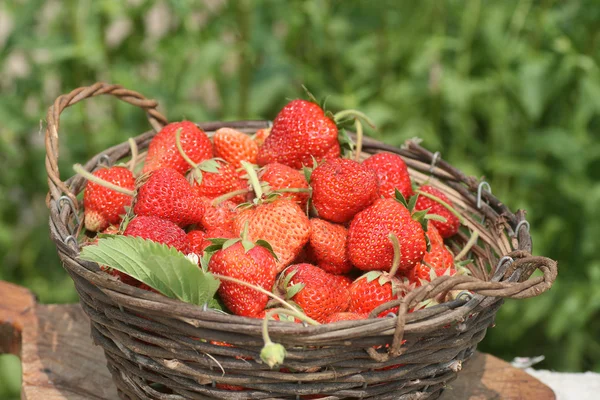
column 281, row 222
column 214, row 178
column 234, row 146
column 158, row 230
column 280, row 177
column 104, row 206
column 168, row 195
column 369, row 246
column 255, row 266
column 163, row 151
column 448, row 228
column 313, row 290
column 341, row 188
column 392, row 173
column 327, row 245
column 300, row 132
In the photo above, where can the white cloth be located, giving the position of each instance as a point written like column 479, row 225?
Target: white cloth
column 570, row 386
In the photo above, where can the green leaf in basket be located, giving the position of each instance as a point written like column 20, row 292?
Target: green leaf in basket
column 157, row 265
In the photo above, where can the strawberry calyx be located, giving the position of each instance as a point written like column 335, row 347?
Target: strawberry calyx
column 223, row 243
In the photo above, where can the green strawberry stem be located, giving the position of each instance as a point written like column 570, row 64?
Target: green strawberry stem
column 218, row 200
column 356, row 115
column 442, row 202
column 359, row 139
column 468, row 246
column 83, row 172
column 273, row 354
column 293, row 190
column 257, row 288
column 180, row 149
column 397, row 254
column 249, row 168
column 134, row 154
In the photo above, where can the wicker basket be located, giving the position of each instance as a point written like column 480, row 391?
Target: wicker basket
column 152, row 343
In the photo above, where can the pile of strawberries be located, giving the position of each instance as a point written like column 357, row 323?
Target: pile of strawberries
column 332, row 235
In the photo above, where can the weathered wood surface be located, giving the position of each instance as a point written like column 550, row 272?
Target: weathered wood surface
column 61, row 363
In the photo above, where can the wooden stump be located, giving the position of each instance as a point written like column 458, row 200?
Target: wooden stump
column 60, row 362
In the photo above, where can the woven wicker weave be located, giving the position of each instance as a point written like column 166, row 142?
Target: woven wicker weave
column 160, row 348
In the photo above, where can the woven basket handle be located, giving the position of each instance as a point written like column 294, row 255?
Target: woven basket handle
column 56, row 185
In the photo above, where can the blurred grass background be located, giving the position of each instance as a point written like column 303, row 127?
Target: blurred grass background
column 508, row 90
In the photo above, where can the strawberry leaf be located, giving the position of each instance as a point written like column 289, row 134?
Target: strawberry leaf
column 346, row 143
column 267, row 245
column 372, row 275
column 400, row 197
column 294, row 289
column 230, row 243
column 159, row 266
column 412, row 202
column 247, row 244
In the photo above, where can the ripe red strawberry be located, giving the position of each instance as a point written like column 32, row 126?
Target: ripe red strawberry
column 218, row 216
column 104, row 206
column 282, row 223
column 280, row 176
column 168, row 195
column 234, row 146
column 437, row 261
column 345, row 316
column 341, row 188
column 163, row 152
column 158, row 230
column 342, row 280
column 218, row 179
column 300, row 131
column 198, row 241
column 369, row 245
column 261, row 135
column 392, row 173
column 255, row 266
column 448, row 228
column 318, row 297
column 371, row 290
column 327, row 244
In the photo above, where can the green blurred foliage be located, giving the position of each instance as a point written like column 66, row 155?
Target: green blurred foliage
column 505, row 90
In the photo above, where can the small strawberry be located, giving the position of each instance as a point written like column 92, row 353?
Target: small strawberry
column 378, row 287
column 345, row 316
column 261, row 135
column 327, row 244
column 214, row 178
column 218, row 215
column 341, row 188
column 198, row 241
column 300, row 132
column 313, row 290
column 104, row 206
column 392, row 173
column 448, row 228
column 437, row 261
column 234, row 146
column 249, row 263
column 279, row 176
column 168, row 195
column 158, row 230
column 280, row 222
column 163, row 151
column 369, row 246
